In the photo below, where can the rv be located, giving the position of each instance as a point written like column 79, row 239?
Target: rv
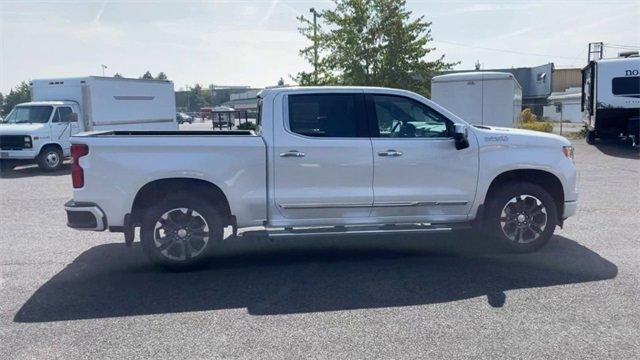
column 611, row 98
column 481, row 98
column 39, row 131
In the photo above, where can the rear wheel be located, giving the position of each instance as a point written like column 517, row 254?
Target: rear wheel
column 50, row 158
column 521, row 216
column 180, row 231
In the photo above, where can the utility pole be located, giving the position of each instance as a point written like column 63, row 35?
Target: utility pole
column 103, row 66
column 315, row 45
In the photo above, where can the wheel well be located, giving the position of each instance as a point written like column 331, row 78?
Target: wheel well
column 544, row 179
column 157, row 190
column 51, row 145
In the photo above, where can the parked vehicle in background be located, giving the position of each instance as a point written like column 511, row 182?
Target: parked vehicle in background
column 184, row 118
column 481, row 98
column 39, row 131
column 611, row 98
column 324, row 160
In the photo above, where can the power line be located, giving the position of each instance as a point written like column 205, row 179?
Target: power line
column 507, row 51
column 618, row 46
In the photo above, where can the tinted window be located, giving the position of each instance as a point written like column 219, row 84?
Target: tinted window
column 626, row 85
column 401, row 117
column 63, row 114
column 327, row 115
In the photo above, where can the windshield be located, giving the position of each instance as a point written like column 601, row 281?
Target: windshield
column 29, row 114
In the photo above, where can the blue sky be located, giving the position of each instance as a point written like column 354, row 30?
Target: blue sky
column 256, row 42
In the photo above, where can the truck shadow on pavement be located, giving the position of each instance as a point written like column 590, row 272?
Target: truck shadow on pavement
column 618, row 148
column 34, row 170
column 303, row 276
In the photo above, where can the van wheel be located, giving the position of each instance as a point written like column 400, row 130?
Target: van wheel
column 50, row 159
column 521, row 217
column 591, row 137
column 180, row 231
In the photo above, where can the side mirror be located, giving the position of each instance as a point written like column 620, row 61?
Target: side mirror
column 461, row 136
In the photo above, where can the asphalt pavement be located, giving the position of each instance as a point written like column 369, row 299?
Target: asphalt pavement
column 66, row 294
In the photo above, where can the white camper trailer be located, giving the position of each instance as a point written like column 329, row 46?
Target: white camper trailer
column 481, row 98
column 611, row 98
column 40, row 130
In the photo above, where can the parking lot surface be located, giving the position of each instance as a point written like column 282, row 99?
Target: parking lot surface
column 70, row 294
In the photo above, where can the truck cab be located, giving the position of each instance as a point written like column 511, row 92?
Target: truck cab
column 39, row 131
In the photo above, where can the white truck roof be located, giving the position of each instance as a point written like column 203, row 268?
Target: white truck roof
column 474, row 76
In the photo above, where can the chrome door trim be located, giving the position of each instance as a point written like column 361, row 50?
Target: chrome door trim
column 379, row 204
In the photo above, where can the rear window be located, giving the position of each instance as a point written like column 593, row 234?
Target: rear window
column 626, row 86
column 327, row 115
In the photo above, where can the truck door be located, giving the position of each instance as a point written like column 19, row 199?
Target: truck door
column 323, row 166
column 63, row 125
column 418, row 173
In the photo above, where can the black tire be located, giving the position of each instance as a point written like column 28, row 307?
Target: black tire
column 50, row 158
column 180, row 233
column 591, row 137
column 521, row 229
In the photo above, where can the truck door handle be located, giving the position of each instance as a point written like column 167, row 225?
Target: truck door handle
column 390, row 153
column 292, row 153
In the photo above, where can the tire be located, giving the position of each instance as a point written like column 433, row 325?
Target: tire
column 180, row 231
column 50, row 158
column 521, row 217
column 591, row 137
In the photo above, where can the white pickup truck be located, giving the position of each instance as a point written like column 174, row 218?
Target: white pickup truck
column 324, row 160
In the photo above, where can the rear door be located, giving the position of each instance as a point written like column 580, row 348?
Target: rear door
column 323, row 165
column 418, row 173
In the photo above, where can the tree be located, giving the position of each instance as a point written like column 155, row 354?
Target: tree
column 17, row 95
column 117, row 75
column 161, row 76
column 196, row 97
column 281, row 82
column 1, row 103
column 147, row 76
column 370, row 42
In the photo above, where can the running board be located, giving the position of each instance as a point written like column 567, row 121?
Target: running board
column 353, row 230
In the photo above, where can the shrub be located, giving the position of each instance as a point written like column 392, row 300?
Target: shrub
column 544, row 126
column 526, row 116
column 247, row 126
column 529, row 121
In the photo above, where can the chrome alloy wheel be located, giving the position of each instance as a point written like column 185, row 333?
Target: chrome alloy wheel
column 523, row 219
column 181, row 234
column 52, row 159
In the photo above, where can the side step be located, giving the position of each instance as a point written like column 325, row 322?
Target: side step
column 353, row 230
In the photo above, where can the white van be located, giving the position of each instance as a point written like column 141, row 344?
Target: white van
column 40, row 130
column 481, row 98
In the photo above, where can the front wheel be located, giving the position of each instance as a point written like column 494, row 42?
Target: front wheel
column 521, row 216
column 50, row 159
column 180, row 231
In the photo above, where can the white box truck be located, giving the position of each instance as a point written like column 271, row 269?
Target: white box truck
column 39, row 131
column 481, row 98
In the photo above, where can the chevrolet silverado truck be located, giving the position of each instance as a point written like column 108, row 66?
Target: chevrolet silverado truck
column 323, row 161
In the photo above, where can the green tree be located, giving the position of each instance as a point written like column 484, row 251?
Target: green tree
column 372, row 43
column 1, row 103
column 161, row 76
column 117, row 75
column 147, row 76
column 20, row 94
column 196, row 97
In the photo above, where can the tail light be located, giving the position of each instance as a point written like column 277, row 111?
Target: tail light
column 77, row 173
